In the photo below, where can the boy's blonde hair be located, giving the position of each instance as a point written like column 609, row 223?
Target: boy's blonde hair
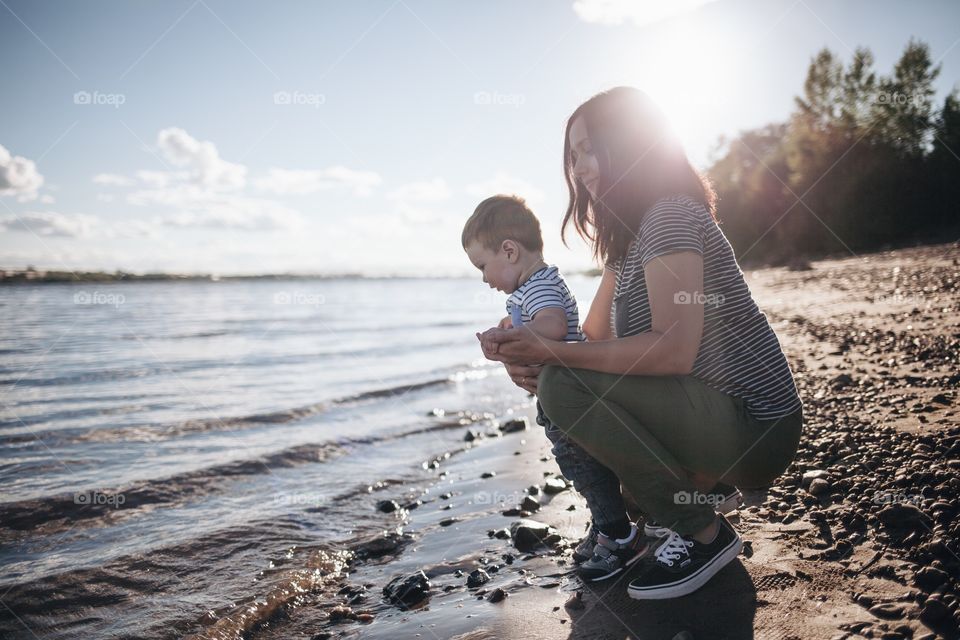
column 500, row 218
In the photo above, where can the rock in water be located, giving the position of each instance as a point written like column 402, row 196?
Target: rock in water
column 387, row 506
column 497, row 595
column 408, row 591
column 529, row 534
column 517, row 424
column 554, row 485
column 477, row 577
column 530, row 504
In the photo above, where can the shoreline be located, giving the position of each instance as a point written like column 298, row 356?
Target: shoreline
column 869, row 552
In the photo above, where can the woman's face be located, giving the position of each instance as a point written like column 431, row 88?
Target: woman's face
column 585, row 166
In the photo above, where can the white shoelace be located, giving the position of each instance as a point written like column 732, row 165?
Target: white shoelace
column 672, row 548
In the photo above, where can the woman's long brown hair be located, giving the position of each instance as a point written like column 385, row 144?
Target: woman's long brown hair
column 640, row 162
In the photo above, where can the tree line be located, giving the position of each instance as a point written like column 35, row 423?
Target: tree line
column 864, row 162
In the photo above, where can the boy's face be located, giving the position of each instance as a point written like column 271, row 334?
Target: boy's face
column 500, row 269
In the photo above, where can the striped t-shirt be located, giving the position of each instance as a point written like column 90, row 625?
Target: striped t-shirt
column 545, row 289
column 739, row 352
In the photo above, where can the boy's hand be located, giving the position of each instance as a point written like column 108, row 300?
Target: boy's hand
column 488, row 346
column 506, row 323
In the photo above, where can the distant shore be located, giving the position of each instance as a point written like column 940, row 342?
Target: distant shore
column 32, row 275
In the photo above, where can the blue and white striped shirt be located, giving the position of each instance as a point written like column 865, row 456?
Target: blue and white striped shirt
column 543, row 290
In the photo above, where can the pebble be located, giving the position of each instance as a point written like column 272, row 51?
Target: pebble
column 477, row 577
column 529, row 534
column 387, row 506
column 408, row 590
column 497, row 595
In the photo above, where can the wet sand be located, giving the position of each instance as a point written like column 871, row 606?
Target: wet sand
column 864, row 546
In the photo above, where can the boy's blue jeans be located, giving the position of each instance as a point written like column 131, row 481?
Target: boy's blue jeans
column 599, row 486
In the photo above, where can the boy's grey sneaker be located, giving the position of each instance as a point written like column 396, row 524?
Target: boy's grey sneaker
column 584, row 550
column 610, row 558
column 728, row 499
column 681, row 565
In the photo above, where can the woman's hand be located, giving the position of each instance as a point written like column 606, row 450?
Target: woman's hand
column 524, row 376
column 516, row 346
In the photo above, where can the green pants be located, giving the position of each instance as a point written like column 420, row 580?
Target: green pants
column 651, row 430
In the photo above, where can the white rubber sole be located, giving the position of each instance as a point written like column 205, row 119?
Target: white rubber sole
column 626, row 565
column 692, row 582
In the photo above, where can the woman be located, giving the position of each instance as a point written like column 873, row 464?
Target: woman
column 687, row 384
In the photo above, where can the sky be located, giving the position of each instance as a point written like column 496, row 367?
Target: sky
column 228, row 137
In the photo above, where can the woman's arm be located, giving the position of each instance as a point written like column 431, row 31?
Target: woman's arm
column 674, row 287
column 596, row 326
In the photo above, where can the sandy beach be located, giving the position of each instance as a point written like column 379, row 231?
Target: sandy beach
column 858, row 539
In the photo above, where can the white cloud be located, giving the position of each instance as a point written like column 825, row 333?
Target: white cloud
column 158, row 179
column 197, row 207
column 202, row 158
column 50, row 223
column 640, row 12
column 18, row 176
column 112, row 180
column 502, row 183
column 303, row 181
column 434, row 190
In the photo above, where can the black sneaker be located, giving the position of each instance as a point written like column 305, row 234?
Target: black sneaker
column 681, row 565
column 610, row 558
column 584, row 550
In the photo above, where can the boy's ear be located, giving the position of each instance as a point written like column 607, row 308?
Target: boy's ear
column 510, row 249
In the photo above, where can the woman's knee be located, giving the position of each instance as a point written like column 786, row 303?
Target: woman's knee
column 558, row 389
